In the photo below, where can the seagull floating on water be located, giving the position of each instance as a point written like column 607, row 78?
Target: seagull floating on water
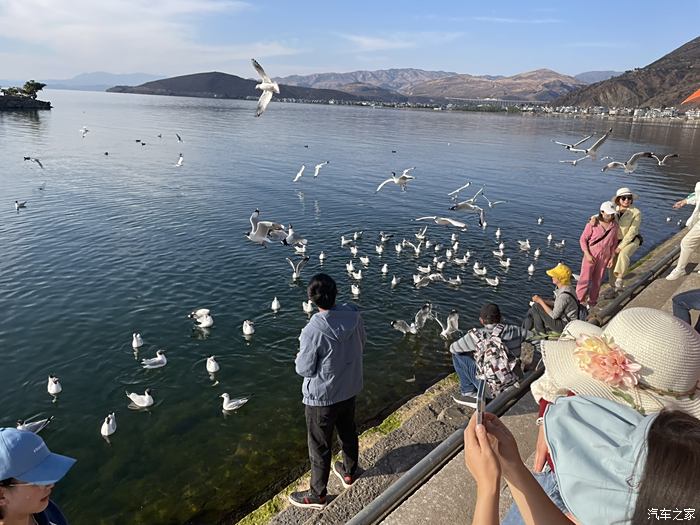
column 395, row 281
column 479, row 271
column 18, row 205
column 158, row 361
column 141, row 400
column 53, row 386
column 560, row 244
column 492, row 282
column 307, row 307
column 33, row 425
column 498, row 233
column 276, row 305
column 229, row 405
column 524, row 245
column 202, row 318
column 403, row 327
column 385, row 269
column 537, row 253
column 355, row 290
column 212, row 366
column 506, row 263
column 531, row 269
column 136, row 341
column 322, row 257
column 364, row 259
column 630, row 165
column 248, row 327
column 267, row 86
column 180, row 160
column 109, row 426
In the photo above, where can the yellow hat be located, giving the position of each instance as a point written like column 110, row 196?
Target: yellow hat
column 561, row 273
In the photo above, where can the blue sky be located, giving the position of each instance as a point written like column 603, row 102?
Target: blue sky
column 61, row 38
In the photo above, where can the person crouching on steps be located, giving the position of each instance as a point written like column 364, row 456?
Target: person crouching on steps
column 330, row 361
column 598, row 243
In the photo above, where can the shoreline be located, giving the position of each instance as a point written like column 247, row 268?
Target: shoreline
column 10, row 103
column 437, row 400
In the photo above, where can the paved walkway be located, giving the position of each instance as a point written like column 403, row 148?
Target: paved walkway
column 449, row 496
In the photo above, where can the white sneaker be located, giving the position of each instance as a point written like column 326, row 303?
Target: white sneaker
column 618, row 285
column 675, row 274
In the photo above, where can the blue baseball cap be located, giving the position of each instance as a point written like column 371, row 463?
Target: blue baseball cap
column 25, row 457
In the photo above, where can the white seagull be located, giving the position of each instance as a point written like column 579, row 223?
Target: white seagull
column 422, row 316
column 229, row 405
column 506, row 263
column 575, row 161
column 385, row 269
column 537, row 253
column 480, row 271
column 492, row 282
column 420, row 236
column 349, row 266
column 275, row 305
column 498, row 233
column 444, row 221
column 33, row 425
column 395, row 281
column 321, row 257
column 524, row 245
column 492, row 203
column 212, row 366
column 355, row 290
column 180, row 160
column 531, row 269
column 264, row 232
column 19, row 205
column 593, row 150
column 299, row 173
column 357, row 275
column 141, row 400
column 248, row 327
column 136, row 340
column 317, row 168
column 293, row 237
column 158, row 361
column 364, row 259
column 451, row 325
column 455, row 193
column 307, row 307
column 403, row 327
column 296, row 268
column 84, row 131
column 400, row 180
column 109, row 426
column 267, row 86
column 53, row 386
column 202, row 318
column 662, row 162
column 630, row 165
column 575, row 144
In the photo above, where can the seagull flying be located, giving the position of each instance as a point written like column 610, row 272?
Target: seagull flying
column 293, row 238
column 262, row 232
column 403, row 327
column 318, row 167
column 455, row 193
column 492, row 203
column 296, row 268
column 423, row 315
column 631, row 164
column 662, row 162
column 593, row 150
column 42, row 166
column 443, row 221
column 451, row 325
column 575, row 144
column 179, row 138
column 299, row 173
column 267, row 86
column 576, row 161
column 401, row 180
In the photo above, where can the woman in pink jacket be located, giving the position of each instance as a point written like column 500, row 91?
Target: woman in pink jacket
column 598, row 242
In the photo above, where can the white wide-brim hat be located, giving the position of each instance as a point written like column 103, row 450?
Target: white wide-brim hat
column 663, row 353
column 624, row 191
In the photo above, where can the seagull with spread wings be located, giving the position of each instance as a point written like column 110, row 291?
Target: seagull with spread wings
column 33, row 159
column 575, row 161
column 400, row 180
column 575, row 144
column 661, row 161
column 444, row 221
column 592, row 152
column 630, row 165
column 317, row 168
column 267, row 86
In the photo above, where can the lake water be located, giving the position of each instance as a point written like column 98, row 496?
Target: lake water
column 127, row 242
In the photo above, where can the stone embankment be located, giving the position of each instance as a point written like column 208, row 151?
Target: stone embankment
column 8, row 103
column 412, row 431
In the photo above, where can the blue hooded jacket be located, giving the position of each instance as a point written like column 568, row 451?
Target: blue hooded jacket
column 330, row 356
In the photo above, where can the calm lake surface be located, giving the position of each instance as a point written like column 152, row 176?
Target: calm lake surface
column 128, row 242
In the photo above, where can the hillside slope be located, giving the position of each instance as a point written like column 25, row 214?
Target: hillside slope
column 390, row 79
column 665, row 82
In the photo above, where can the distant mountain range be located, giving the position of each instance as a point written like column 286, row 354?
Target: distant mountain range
column 590, row 77
column 665, row 82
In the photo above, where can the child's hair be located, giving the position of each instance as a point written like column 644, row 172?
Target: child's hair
column 670, row 479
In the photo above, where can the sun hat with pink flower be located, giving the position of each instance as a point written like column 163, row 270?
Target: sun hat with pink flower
column 644, row 358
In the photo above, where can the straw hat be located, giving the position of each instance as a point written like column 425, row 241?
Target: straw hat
column 644, row 357
column 624, row 191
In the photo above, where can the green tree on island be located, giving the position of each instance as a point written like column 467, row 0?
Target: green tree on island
column 31, row 88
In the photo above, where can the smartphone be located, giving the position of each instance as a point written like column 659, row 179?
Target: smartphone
column 480, row 402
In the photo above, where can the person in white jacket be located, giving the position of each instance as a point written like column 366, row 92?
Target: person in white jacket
column 692, row 239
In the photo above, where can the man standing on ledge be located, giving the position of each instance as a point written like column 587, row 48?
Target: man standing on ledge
column 330, row 361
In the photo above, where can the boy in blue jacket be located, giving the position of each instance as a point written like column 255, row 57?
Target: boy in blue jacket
column 330, row 361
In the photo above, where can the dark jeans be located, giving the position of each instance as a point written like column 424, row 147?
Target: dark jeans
column 540, row 322
column 683, row 303
column 320, row 422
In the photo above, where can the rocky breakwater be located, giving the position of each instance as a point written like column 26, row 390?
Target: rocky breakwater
column 10, row 103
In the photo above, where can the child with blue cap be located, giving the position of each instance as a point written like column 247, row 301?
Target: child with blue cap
column 28, row 472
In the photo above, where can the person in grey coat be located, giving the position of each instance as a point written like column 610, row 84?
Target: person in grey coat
column 330, row 361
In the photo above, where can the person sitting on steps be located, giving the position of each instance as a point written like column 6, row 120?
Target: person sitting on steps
column 552, row 316
column 463, row 350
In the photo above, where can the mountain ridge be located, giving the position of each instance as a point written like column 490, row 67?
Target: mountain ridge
column 664, row 82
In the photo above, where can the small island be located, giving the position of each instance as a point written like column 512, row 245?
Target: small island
column 24, row 98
